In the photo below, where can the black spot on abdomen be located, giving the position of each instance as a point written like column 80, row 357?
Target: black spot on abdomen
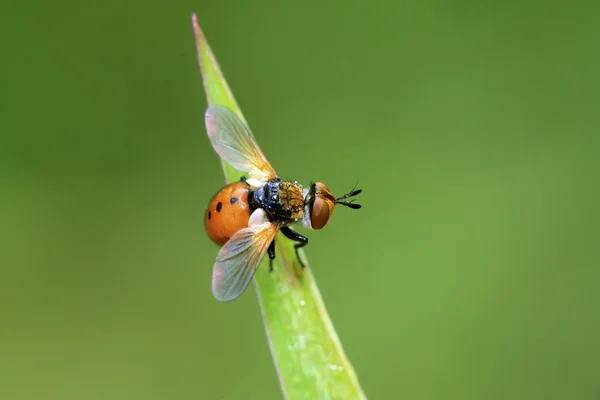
column 233, row 200
column 209, row 215
column 219, row 206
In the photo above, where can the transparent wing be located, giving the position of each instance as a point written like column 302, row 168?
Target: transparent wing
column 238, row 259
column 234, row 142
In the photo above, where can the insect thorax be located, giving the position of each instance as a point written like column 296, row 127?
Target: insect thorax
column 282, row 200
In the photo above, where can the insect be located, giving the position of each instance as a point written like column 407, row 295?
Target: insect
column 245, row 216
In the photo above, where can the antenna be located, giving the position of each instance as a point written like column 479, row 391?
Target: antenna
column 351, row 204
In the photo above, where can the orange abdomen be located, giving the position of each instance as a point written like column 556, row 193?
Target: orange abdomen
column 228, row 212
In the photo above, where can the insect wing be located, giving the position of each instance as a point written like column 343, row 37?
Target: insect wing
column 239, row 258
column 234, row 142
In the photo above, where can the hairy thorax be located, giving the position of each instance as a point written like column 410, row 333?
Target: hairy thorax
column 282, row 200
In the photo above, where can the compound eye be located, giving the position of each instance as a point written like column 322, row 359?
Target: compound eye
column 321, row 213
column 322, row 207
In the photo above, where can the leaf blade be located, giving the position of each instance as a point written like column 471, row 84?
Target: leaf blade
column 308, row 356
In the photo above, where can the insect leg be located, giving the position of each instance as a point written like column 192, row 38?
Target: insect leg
column 271, row 252
column 300, row 240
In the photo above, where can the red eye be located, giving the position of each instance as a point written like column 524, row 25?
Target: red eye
column 322, row 208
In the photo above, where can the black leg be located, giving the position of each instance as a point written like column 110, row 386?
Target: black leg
column 271, row 252
column 300, row 240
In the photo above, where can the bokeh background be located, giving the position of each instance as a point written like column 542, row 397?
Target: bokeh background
column 472, row 272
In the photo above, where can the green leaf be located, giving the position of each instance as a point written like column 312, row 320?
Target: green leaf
column 308, row 356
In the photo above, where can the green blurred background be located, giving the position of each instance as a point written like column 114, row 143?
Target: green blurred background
column 470, row 273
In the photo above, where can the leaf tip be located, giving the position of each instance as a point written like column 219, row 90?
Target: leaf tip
column 197, row 31
column 201, row 47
